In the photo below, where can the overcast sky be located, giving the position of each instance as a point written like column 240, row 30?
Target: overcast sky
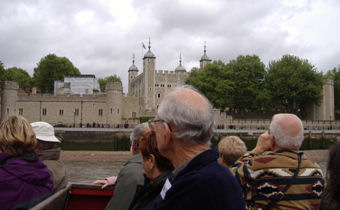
column 100, row 36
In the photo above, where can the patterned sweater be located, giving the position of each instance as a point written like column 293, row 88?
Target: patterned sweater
column 263, row 176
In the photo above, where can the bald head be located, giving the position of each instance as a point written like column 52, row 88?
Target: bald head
column 189, row 114
column 287, row 130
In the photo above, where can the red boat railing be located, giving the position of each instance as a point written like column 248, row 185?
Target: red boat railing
column 77, row 196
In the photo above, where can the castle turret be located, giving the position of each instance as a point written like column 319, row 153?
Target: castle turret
column 9, row 97
column 180, row 68
column 114, row 102
column 149, row 80
column 133, row 73
column 204, row 59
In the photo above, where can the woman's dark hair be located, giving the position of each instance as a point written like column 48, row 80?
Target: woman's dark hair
column 148, row 146
column 333, row 171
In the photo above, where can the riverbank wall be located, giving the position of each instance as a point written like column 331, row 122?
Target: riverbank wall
column 107, row 139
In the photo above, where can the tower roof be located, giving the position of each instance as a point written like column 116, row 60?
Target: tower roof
column 204, row 56
column 149, row 54
column 133, row 67
column 180, row 67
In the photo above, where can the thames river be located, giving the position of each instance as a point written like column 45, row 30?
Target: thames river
column 87, row 166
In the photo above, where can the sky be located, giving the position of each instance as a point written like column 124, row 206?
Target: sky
column 100, row 36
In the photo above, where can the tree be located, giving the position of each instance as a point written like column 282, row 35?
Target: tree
column 248, row 73
column 18, row 75
column 103, row 82
column 335, row 75
column 214, row 81
column 51, row 68
column 294, row 84
column 2, row 72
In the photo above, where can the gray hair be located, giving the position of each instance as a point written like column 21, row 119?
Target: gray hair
column 188, row 123
column 138, row 132
column 283, row 138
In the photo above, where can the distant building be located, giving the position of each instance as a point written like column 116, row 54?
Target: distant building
column 77, row 84
column 77, row 100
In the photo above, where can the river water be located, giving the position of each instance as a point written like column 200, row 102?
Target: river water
column 86, row 171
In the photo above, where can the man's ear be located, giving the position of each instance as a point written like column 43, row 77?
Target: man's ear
column 152, row 160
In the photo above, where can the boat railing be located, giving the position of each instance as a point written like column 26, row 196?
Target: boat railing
column 77, row 196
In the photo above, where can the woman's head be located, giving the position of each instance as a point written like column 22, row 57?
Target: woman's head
column 333, row 170
column 16, row 136
column 153, row 162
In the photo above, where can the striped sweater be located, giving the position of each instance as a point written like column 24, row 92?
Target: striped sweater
column 263, row 176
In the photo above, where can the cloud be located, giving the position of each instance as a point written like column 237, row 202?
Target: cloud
column 99, row 37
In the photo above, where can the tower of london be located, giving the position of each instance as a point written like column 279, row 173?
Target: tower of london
column 111, row 108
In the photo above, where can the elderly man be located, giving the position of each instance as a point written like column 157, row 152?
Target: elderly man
column 184, row 127
column 283, row 177
column 130, row 175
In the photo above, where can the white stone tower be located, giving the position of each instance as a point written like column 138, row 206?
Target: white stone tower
column 114, row 102
column 133, row 73
column 204, row 59
column 180, row 68
column 149, row 81
column 9, row 97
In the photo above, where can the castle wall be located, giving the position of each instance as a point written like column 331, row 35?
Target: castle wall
column 9, row 97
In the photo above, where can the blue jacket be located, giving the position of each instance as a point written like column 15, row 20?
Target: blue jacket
column 202, row 184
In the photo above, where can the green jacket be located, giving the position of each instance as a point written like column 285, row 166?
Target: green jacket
column 128, row 178
column 55, row 166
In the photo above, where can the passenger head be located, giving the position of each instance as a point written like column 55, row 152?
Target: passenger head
column 333, row 171
column 16, row 136
column 137, row 132
column 188, row 114
column 231, row 148
column 154, row 163
column 287, row 129
column 44, row 133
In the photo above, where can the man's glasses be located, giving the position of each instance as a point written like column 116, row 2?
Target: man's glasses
column 152, row 123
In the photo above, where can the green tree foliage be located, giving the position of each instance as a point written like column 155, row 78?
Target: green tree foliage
column 18, row 75
column 51, row 68
column 103, row 82
column 248, row 73
column 215, row 82
column 2, row 72
column 293, row 84
column 335, row 75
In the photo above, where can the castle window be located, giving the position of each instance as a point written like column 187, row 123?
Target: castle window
column 76, row 112
column 111, row 110
column 117, row 111
column 44, row 111
column 61, row 112
column 7, row 110
column 169, row 85
column 156, row 85
column 100, row 112
column 158, row 95
column 21, row 111
column 162, row 85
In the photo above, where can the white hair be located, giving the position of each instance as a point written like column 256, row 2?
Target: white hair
column 138, row 132
column 283, row 138
column 188, row 123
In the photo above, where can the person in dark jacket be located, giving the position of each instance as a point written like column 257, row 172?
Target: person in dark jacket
column 49, row 153
column 331, row 197
column 156, row 167
column 24, row 178
column 184, row 127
